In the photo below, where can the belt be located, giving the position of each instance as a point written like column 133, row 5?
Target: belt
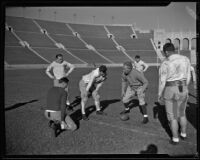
column 176, row 83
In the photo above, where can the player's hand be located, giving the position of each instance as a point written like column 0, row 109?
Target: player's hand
column 160, row 99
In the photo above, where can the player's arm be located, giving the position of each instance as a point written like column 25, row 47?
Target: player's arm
column 193, row 76
column 162, row 79
column 48, row 71
column 98, row 86
column 146, row 66
column 90, row 83
column 71, row 68
column 124, row 85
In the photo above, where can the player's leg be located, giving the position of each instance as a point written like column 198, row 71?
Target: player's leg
column 142, row 105
column 67, row 90
column 96, row 98
column 181, row 109
column 84, row 98
column 126, row 99
column 70, row 123
column 172, row 111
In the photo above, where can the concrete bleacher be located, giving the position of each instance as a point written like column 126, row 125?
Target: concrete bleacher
column 36, row 39
column 88, row 56
column 86, row 30
column 100, row 43
column 135, row 44
column 147, row 35
column 147, row 56
column 50, row 54
column 69, row 41
column 114, row 55
column 22, row 24
column 21, row 55
column 10, row 39
column 95, row 35
column 54, row 27
column 120, row 31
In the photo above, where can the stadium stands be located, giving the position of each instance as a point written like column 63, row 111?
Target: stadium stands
column 120, row 31
column 95, row 35
column 50, row 53
column 135, row 44
column 114, row 55
column 54, row 27
column 69, row 41
column 20, row 55
column 22, row 24
column 10, row 39
column 88, row 55
column 36, row 39
column 100, row 43
column 147, row 56
column 86, row 30
column 147, row 35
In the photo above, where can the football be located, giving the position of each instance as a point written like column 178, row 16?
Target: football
column 124, row 117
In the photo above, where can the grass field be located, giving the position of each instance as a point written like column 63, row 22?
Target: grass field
column 27, row 132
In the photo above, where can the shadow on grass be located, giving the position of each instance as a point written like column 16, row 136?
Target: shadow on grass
column 19, row 105
column 77, row 116
column 160, row 113
column 191, row 114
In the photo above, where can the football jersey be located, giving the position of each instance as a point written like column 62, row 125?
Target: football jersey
column 59, row 68
column 94, row 74
column 140, row 65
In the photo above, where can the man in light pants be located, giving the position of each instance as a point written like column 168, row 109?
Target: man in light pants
column 90, row 84
column 174, row 78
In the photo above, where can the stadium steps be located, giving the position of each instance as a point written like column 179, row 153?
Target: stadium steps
column 10, row 39
column 88, row 55
column 86, row 30
column 143, row 35
column 120, row 31
column 21, row 55
column 50, row 54
column 56, row 28
column 22, row 24
column 114, row 55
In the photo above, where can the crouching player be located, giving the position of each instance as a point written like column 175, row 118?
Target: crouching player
column 56, row 108
column 133, row 84
column 90, row 84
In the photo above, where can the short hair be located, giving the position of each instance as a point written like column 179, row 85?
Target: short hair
column 137, row 56
column 128, row 63
column 103, row 68
column 59, row 55
column 168, row 47
column 64, row 79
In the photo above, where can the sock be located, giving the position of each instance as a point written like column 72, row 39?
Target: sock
column 145, row 115
column 183, row 134
column 144, row 109
column 175, row 139
column 126, row 108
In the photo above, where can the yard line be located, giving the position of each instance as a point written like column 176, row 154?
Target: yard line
column 134, row 130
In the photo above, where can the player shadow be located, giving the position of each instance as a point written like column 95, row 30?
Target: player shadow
column 77, row 116
column 104, row 104
column 19, row 105
column 159, row 113
column 191, row 114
